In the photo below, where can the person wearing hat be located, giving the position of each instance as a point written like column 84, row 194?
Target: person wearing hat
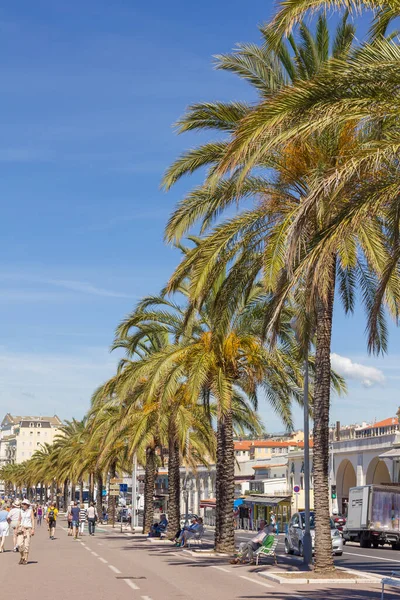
column 13, row 518
column 25, row 530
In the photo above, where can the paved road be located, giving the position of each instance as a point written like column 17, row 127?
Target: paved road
column 115, row 566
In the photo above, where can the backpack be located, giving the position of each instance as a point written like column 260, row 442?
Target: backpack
column 50, row 514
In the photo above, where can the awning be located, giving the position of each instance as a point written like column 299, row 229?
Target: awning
column 267, row 500
column 208, row 503
column 393, row 453
column 238, row 502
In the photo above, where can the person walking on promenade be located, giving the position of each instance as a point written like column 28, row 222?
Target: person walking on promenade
column 92, row 517
column 75, row 520
column 25, row 530
column 51, row 518
column 39, row 515
column 13, row 518
column 69, row 518
column 82, row 519
column 4, row 526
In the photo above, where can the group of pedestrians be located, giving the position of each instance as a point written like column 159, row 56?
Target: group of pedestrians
column 78, row 516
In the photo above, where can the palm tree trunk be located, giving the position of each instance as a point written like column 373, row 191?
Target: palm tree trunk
column 112, row 499
column 65, row 494
column 225, row 485
column 73, row 491
column 149, row 480
column 81, row 492
column 323, row 540
column 99, row 494
column 174, row 484
column 91, row 487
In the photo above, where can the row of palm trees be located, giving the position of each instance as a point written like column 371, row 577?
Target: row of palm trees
column 298, row 206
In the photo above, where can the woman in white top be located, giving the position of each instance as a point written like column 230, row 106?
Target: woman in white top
column 26, row 529
column 13, row 518
column 4, row 526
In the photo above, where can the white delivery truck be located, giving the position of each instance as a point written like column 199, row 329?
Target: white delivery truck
column 373, row 516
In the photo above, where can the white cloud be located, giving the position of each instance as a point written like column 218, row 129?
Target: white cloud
column 368, row 376
column 86, row 288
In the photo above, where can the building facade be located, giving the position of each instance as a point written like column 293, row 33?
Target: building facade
column 21, row 436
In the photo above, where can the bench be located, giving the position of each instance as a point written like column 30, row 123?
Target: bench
column 267, row 550
column 393, row 580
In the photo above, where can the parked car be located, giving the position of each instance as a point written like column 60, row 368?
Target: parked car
column 295, row 535
column 186, row 519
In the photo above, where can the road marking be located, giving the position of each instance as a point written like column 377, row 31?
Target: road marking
column 221, row 569
column 84, row 545
column 181, row 555
column 373, row 557
column 114, row 569
column 86, row 548
column 94, row 553
column 255, row 581
column 146, row 598
column 131, row 584
column 103, row 560
column 99, row 544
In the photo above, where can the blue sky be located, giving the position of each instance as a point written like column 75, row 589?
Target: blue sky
column 90, row 91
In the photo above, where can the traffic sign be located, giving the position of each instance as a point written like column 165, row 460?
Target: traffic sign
column 114, row 492
column 296, row 489
column 123, row 487
column 114, row 487
column 116, row 480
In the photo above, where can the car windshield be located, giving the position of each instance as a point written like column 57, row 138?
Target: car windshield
column 312, row 521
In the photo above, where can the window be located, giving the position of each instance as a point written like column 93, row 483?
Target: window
column 301, row 482
column 31, row 433
column 38, row 432
column 274, row 474
column 30, row 424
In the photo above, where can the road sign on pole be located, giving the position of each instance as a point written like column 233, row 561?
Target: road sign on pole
column 116, row 480
column 123, row 487
column 114, row 492
column 296, row 489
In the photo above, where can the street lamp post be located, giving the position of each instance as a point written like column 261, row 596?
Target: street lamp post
column 134, row 518
column 307, row 547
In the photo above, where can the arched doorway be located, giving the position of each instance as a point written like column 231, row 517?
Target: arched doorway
column 345, row 479
column 377, row 472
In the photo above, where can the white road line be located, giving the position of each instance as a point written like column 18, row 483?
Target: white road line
column 131, row 584
column 114, row 569
column 99, row 544
column 86, row 548
column 84, row 545
column 94, row 553
column 255, row 581
column 146, row 598
column 221, row 569
column 103, row 560
column 373, row 557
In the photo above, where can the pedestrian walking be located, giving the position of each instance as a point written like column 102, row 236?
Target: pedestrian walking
column 82, row 519
column 51, row 518
column 4, row 526
column 92, row 517
column 25, row 530
column 39, row 515
column 75, row 520
column 69, row 518
column 13, row 519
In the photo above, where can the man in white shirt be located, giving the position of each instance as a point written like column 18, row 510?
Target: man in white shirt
column 247, row 549
column 13, row 518
column 25, row 530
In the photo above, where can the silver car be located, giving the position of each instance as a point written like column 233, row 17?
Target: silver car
column 295, row 534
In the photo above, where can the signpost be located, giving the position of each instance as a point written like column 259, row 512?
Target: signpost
column 116, row 480
column 296, row 490
column 123, row 488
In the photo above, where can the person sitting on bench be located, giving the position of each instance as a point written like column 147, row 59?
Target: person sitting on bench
column 158, row 528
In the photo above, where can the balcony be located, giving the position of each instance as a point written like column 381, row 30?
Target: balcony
column 367, row 443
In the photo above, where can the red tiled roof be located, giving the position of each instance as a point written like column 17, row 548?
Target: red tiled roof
column 387, row 422
column 243, row 445
column 301, row 444
column 273, row 444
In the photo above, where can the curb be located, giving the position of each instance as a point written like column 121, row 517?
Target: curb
column 367, row 579
column 206, row 553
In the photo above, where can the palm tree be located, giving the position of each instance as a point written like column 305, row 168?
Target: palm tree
column 262, row 239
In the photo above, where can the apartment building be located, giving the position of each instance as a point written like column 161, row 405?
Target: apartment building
column 21, row 436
